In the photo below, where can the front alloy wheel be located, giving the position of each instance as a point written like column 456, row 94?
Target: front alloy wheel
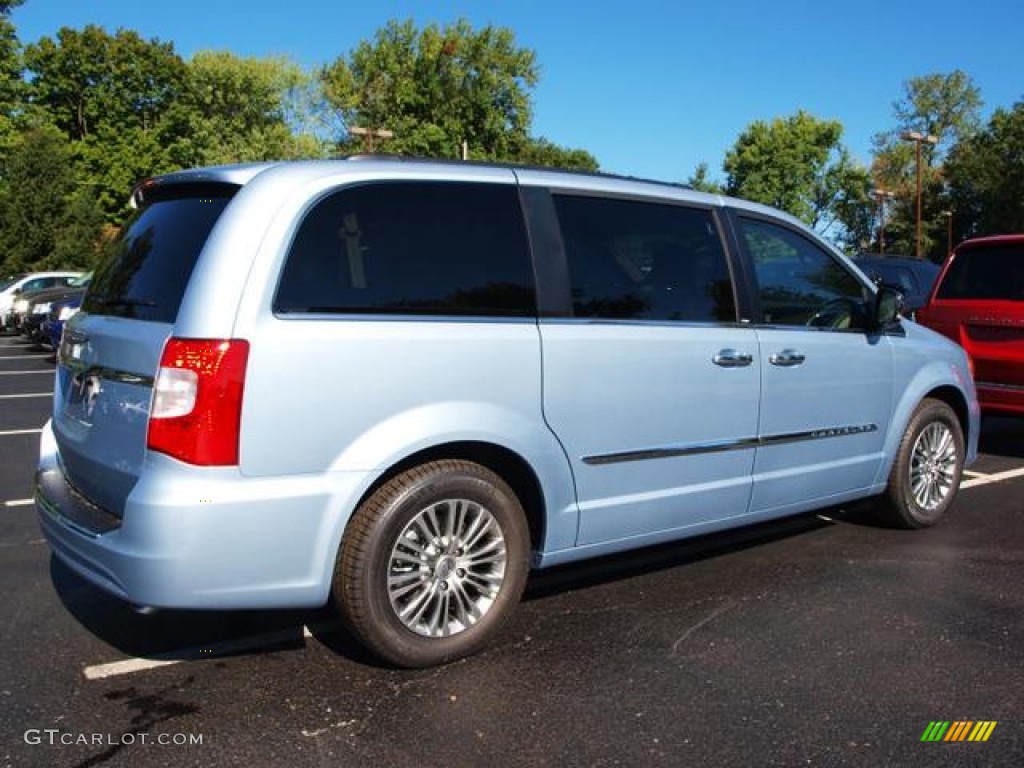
column 933, row 466
column 925, row 476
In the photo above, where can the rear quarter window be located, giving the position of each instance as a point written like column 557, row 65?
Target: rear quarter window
column 442, row 248
column 148, row 268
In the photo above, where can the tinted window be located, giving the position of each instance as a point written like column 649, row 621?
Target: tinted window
column 990, row 272
column 892, row 275
column 411, row 248
column 146, row 273
column 799, row 283
column 644, row 261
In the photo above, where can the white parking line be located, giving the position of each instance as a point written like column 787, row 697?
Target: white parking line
column 103, row 671
column 19, row 502
column 994, row 478
column 8, row 432
column 242, row 645
column 21, row 357
column 25, row 373
column 30, row 394
column 969, row 473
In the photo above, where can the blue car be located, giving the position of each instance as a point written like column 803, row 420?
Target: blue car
column 395, row 387
column 60, row 312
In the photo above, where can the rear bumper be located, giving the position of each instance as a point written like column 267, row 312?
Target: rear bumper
column 1000, row 398
column 201, row 538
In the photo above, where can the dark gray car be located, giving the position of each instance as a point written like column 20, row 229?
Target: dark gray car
column 913, row 278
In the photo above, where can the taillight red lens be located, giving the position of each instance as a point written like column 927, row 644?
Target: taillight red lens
column 197, row 401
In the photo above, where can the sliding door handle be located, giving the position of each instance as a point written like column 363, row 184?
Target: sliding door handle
column 730, row 358
column 787, row 358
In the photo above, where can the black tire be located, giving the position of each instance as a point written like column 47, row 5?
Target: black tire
column 931, row 454
column 390, row 563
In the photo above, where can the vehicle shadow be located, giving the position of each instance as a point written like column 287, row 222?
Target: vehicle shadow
column 602, row 570
column 1002, row 436
column 192, row 635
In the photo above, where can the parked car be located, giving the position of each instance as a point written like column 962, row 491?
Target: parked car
column 26, row 283
column 395, row 386
column 60, row 312
column 979, row 302
column 29, row 323
column 913, row 278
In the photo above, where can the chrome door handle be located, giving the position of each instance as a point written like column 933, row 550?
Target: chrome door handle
column 730, row 358
column 787, row 358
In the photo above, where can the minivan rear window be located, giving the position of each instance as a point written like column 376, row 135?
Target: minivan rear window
column 145, row 275
column 985, row 272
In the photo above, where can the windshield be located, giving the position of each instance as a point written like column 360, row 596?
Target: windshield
column 986, row 272
column 82, row 281
column 148, row 269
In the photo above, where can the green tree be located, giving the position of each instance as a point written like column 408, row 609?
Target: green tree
column 797, row 164
column 39, row 183
column 11, row 85
column 701, row 181
column 87, row 79
column 111, row 95
column 985, row 173
column 946, row 106
column 436, row 88
column 544, row 153
column 235, row 109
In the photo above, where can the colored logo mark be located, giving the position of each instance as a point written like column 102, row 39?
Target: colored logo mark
column 958, row 730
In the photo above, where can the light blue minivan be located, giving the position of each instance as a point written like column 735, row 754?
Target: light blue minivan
column 396, row 386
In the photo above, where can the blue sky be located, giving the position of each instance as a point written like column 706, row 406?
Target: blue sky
column 650, row 87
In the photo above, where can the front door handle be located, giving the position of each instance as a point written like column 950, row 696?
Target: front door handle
column 787, row 358
column 730, row 358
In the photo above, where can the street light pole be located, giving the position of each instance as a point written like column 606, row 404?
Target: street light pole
column 881, row 195
column 919, row 139
column 369, row 134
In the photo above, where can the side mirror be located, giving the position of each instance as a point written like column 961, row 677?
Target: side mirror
column 888, row 306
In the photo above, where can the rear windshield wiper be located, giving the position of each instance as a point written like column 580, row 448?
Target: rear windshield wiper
column 127, row 301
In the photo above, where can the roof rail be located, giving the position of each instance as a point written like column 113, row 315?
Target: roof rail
column 362, row 157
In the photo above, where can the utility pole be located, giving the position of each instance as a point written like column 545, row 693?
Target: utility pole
column 369, row 134
column 881, row 195
column 919, row 139
column 949, row 231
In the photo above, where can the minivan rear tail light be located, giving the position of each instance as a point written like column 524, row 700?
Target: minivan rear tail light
column 197, row 400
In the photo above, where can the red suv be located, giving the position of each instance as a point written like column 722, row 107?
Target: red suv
column 978, row 301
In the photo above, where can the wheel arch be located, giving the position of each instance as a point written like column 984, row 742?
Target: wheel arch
column 946, row 392
column 955, row 399
column 504, row 462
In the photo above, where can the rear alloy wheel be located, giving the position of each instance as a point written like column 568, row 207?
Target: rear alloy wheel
column 926, row 475
column 432, row 563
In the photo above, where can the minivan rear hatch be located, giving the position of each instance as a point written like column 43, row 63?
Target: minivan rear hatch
column 980, row 303
column 111, row 349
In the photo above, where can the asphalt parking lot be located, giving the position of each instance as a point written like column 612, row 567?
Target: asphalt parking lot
column 821, row 640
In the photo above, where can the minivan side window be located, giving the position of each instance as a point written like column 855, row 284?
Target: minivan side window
column 799, row 283
column 644, row 261
column 443, row 248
